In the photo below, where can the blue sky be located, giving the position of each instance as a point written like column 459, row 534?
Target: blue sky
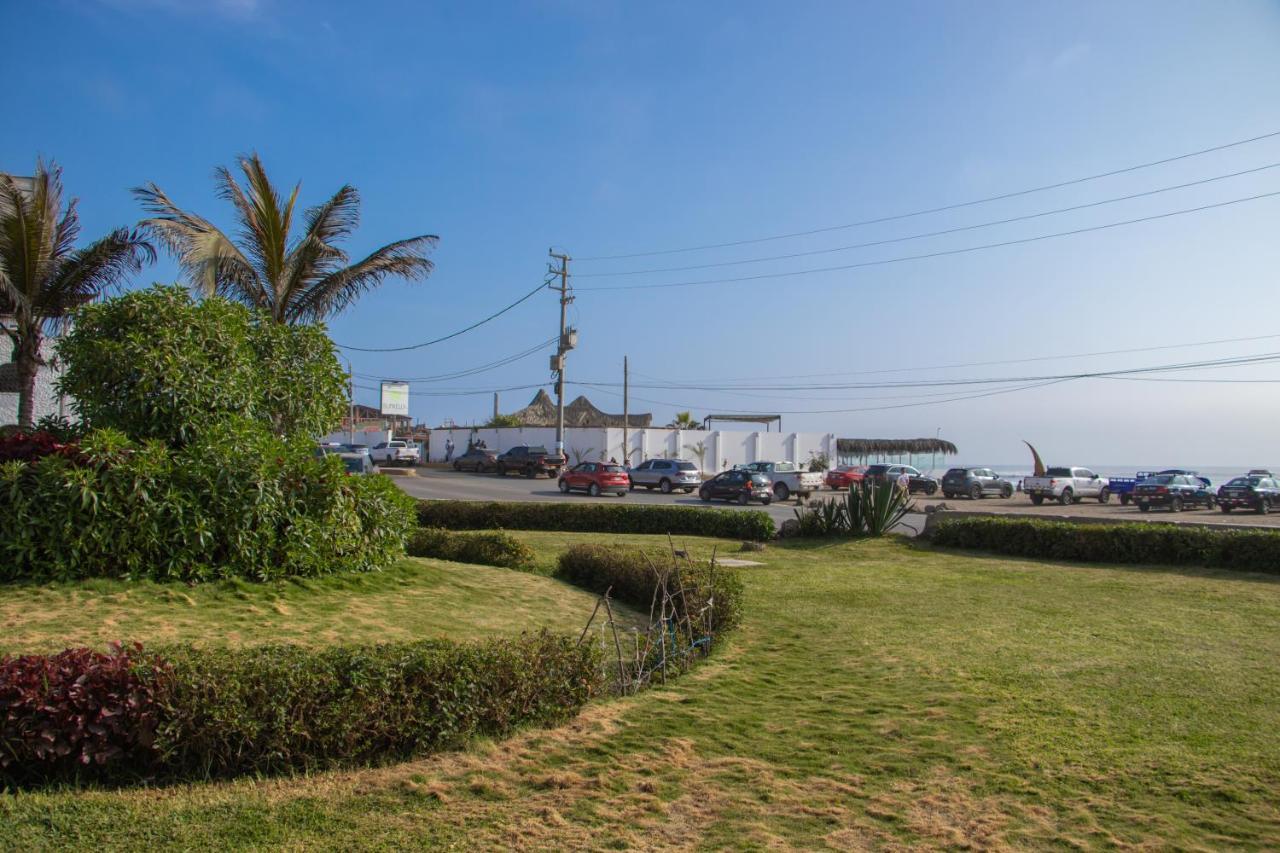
column 610, row 128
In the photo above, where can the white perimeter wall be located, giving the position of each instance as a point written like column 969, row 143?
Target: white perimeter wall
column 46, row 400
column 722, row 448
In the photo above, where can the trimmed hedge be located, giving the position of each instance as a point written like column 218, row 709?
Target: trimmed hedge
column 493, row 548
column 188, row 713
column 1163, row 544
column 630, row 572
column 597, row 518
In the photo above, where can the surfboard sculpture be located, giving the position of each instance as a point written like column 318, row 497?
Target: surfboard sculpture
column 1036, row 456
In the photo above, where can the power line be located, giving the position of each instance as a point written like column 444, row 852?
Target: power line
column 475, row 325
column 942, row 208
column 471, row 371
column 1188, row 345
column 929, row 234
column 463, row 393
column 941, row 253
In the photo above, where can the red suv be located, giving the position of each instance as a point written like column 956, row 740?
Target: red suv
column 596, row 477
column 844, row 476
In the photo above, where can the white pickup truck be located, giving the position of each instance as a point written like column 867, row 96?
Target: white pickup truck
column 1067, row 485
column 788, row 478
column 394, row 453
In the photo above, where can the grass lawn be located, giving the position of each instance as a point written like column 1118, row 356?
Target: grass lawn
column 877, row 695
column 415, row 599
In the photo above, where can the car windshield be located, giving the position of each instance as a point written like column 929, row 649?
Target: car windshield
column 615, row 469
column 687, row 466
column 1245, row 481
column 1163, row 479
column 1059, row 472
column 537, row 450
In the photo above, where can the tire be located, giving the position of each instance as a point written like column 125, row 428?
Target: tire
column 564, row 487
column 931, row 489
column 1225, row 509
column 622, row 494
column 1006, row 492
column 501, row 470
column 688, row 491
column 1175, row 505
column 781, row 492
column 765, row 501
column 1264, row 507
column 594, row 490
column 529, row 472
column 1104, row 496
column 1066, row 497
column 1144, row 507
column 1210, row 503
column 704, row 495
column 1124, row 500
column 1037, row 499
column 949, row 495
column 975, row 492
column 664, row 486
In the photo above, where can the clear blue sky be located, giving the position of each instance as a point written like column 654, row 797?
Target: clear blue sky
column 609, row 128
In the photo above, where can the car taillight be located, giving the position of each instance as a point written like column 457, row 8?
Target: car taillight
column 1053, row 482
column 1161, row 490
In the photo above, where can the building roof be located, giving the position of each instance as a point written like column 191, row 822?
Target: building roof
column 894, row 446
column 541, row 411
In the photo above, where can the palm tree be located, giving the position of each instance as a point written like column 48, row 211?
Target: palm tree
column 683, row 420
column 299, row 279
column 43, row 277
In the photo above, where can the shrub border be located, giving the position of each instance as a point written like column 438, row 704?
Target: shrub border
column 596, row 518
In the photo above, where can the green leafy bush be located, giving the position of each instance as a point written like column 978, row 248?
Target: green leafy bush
column 235, row 502
column 597, row 518
column 630, row 572
column 489, row 549
column 182, row 712
column 155, row 364
column 1162, row 544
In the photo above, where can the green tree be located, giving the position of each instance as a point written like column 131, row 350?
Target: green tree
column 155, row 364
column 503, row 421
column 684, row 420
column 43, row 276
column 294, row 278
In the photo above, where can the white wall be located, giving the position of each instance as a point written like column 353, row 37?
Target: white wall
column 369, row 437
column 724, row 448
column 46, row 399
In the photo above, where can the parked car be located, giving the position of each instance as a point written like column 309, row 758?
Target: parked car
column 1175, row 491
column 666, row 475
column 394, row 453
column 530, row 461
column 478, row 459
column 596, row 477
column 1122, row 487
column 890, row 473
column 787, row 478
column 323, row 450
column 976, row 483
column 1067, row 485
column 356, row 463
column 1254, row 492
column 844, row 476
column 740, row 486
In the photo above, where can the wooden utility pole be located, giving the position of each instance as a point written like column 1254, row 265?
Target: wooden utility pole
column 626, row 414
column 568, row 340
column 495, row 405
column 351, row 405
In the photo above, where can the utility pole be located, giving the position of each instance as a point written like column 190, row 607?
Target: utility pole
column 351, row 405
column 495, row 405
column 568, row 340
column 626, row 414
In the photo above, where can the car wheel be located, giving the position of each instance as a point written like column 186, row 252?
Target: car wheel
column 530, row 473
column 975, row 492
column 1066, row 497
column 743, row 500
column 622, row 494
column 1264, row 506
column 1175, row 505
column 1104, row 496
column 703, row 494
column 564, row 486
column 1124, row 500
column 688, row 491
column 949, row 495
column 931, row 489
column 501, row 470
column 664, row 486
column 593, row 490
column 781, row 492
column 1144, row 507
column 1210, row 503
column 1225, row 508
column 1007, row 491
column 765, row 501
column 1037, row 499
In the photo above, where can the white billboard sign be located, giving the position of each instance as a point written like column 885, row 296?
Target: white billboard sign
column 395, row 398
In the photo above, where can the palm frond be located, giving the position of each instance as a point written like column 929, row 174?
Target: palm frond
column 86, row 273
column 331, row 294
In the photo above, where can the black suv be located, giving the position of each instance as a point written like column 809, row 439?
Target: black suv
column 1174, row 491
column 916, row 482
column 976, row 483
column 1257, row 493
column 530, row 461
column 740, row 486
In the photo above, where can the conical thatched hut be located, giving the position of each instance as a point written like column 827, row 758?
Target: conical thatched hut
column 541, row 412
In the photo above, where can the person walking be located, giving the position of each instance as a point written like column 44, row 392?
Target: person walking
column 448, row 449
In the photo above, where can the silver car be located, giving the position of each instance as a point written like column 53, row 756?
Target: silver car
column 667, row 475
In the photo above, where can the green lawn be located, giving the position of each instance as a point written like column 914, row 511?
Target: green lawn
column 877, row 695
column 413, row 600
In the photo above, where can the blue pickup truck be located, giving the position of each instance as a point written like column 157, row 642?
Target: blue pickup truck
column 1122, row 487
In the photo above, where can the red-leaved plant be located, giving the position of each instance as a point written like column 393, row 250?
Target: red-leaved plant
column 78, row 713
column 30, row 446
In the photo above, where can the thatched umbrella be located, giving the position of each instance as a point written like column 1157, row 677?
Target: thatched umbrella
column 864, row 447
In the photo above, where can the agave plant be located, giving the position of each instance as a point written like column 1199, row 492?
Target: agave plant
column 876, row 508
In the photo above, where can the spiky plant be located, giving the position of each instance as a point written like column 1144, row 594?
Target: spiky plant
column 298, row 278
column 44, row 277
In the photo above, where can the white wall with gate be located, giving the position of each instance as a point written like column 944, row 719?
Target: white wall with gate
column 713, row 450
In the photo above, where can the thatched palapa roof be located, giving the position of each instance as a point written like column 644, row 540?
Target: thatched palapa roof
column 894, row 446
column 541, row 412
